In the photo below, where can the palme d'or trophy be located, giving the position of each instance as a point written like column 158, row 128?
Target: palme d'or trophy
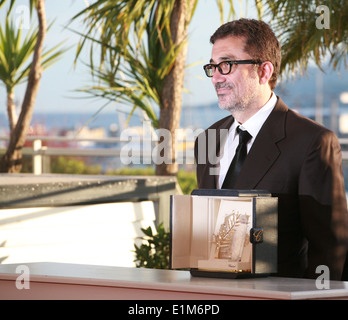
column 231, row 246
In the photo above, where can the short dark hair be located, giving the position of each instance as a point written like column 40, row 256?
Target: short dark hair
column 260, row 41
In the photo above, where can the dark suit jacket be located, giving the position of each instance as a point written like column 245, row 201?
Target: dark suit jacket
column 298, row 161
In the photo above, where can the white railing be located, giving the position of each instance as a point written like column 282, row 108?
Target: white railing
column 39, row 152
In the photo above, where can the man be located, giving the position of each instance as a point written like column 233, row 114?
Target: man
column 294, row 158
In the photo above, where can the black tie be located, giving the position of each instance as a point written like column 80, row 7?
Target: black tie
column 238, row 160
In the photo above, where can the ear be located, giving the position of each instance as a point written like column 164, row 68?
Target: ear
column 265, row 72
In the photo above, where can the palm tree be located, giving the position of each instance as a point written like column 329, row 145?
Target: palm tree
column 142, row 60
column 12, row 159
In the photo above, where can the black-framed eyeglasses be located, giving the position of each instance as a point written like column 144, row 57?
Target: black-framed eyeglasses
column 225, row 67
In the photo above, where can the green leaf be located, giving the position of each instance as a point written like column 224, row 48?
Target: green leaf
column 15, row 54
column 147, row 232
column 154, row 252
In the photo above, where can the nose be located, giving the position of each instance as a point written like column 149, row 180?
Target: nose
column 217, row 77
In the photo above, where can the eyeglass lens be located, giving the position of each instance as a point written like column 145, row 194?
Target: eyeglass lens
column 223, row 67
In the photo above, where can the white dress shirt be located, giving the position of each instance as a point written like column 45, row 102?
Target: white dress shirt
column 253, row 126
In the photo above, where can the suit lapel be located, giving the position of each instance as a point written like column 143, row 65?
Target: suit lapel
column 264, row 151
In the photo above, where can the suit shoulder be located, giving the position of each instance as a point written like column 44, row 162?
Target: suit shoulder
column 296, row 120
column 301, row 128
column 306, row 125
column 222, row 123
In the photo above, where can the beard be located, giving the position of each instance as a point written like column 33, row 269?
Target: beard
column 236, row 101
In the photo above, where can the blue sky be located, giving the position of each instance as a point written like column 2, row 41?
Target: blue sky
column 59, row 82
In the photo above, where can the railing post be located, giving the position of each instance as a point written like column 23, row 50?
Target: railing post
column 37, row 158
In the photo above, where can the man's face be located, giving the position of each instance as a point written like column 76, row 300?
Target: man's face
column 238, row 90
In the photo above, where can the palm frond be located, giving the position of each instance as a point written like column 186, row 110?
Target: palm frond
column 15, row 53
column 294, row 22
column 135, row 49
